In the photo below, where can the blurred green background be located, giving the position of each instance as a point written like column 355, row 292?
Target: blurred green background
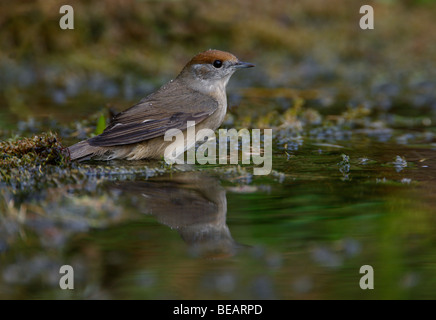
column 120, row 51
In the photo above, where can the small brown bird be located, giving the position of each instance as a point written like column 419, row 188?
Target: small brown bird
column 197, row 94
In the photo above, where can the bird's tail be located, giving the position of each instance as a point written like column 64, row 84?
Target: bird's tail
column 83, row 151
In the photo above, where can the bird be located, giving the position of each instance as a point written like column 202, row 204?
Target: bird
column 197, row 94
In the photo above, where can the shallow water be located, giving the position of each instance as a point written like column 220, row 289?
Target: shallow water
column 218, row 232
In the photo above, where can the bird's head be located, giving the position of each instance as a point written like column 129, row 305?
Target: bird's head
column 211, row 70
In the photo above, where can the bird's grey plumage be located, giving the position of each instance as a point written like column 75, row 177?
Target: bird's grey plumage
column 155, row 114
column 147, row 120
column 197, row 94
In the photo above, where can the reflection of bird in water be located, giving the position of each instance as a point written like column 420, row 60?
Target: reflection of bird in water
column 194, row 204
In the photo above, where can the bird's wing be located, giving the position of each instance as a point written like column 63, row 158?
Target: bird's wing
column 168, row 108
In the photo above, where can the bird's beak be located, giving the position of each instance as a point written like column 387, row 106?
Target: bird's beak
column 241, row 64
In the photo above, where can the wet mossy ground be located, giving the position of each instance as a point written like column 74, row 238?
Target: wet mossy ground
column 43, row 149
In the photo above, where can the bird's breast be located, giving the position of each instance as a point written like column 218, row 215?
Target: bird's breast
column 216, row 119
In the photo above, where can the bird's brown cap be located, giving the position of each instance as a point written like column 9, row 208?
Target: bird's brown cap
column 209, row 56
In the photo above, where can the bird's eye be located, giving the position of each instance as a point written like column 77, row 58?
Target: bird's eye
column 217, row 64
